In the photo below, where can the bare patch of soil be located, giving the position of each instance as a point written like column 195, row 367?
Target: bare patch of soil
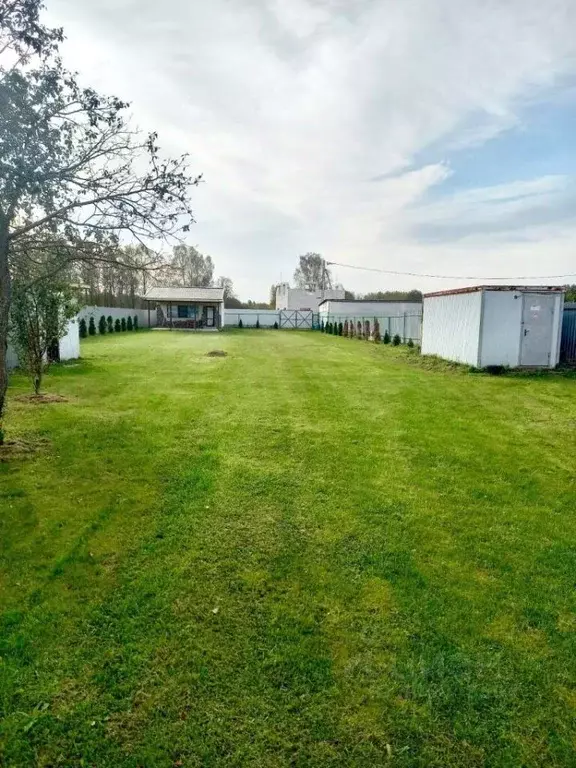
column 217, row 353
column 39, row 399
column 20, row 449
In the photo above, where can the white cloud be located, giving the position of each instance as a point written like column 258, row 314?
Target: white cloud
column 289, row 108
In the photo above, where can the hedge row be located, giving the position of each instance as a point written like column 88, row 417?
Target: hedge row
column 108, row 325
column 356, row 329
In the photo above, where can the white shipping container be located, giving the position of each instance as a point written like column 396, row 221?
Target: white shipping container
column 513, row 326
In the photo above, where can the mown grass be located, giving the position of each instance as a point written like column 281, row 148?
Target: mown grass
column 312, row 552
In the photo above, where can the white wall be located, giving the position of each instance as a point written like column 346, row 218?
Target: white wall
column 369, row 309
column 70, row 342
column 501, row 326
column 451, row 326
column 69, row 346
column 267, row 317
column 294, row 298
column 119, row 312
column 501, row 335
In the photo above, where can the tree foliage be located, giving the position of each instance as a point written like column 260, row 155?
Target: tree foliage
column 39, row 317
column 312, row 274
column 189, row 268
column 74, row 174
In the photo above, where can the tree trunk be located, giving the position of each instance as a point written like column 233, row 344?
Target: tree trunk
column 5, row 298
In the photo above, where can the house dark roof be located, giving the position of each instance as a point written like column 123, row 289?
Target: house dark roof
column 185, row 294
column 519, row 288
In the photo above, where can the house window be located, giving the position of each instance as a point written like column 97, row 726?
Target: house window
column 186, row 311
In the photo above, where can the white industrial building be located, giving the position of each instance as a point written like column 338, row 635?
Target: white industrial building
column 337, row 308
column 295, row 298
column 514, row 326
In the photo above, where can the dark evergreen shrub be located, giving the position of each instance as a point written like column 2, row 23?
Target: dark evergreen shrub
column 102, row 325
column 123, row 323
column 92, row 327
column 276, row 325
column 386, row 338
column 240, row 323
column 340, row 329
column 135, row 322
column 396, row 341
column 410, row 343
column 117, row 326
column 129, row 324
column 83, row 329
column 110, row 324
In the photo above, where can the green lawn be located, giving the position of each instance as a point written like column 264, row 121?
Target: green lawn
column 313, row 552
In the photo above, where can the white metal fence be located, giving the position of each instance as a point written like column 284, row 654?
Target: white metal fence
column 407, row 326
column 118, row 312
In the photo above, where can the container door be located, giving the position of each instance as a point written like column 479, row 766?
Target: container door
column 537, row 326
column 210, row 317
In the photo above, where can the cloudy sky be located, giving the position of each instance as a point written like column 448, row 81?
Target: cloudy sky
column 410, row 135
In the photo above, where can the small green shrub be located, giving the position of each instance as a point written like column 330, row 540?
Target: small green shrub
column 340, row 329
column 92, row 327
column 83, row 329
column 396, row 341
column 129, row 324
column 117, row 326
column 276, row 325
column 102, row 325
column 335, row 329
column 110, row 324
column 123, row 323
column 240, row 323
column 257, row 322
column 322, row 327
column 386, row 337
column 135, row 322
column 410, row 343
column 376, row 332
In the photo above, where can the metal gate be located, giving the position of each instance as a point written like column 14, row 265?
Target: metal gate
column 537, row 325
column 301, row 319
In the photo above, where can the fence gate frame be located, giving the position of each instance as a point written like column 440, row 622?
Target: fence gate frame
column 297, row 319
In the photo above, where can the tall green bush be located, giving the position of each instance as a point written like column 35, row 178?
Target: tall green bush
column 123, row 323
column 386, row 338
column 83, row 329
column 117, row 326
column 340, row 329
column 102, row 326
column 240, row 323
column 257, row 322
column 135, row 322
column 396, row 341
column 129, row 324
column 92, row 327
column 376, row 332
column 110, row 324
column 322, row 327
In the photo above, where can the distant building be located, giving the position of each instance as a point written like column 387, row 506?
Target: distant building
column 295, row 298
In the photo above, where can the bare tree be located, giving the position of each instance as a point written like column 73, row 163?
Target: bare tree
column 73, row 173
column 190, row 268
column 228, row 285
column 312, row 274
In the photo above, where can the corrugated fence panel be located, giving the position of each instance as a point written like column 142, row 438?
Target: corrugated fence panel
column 568, row 344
